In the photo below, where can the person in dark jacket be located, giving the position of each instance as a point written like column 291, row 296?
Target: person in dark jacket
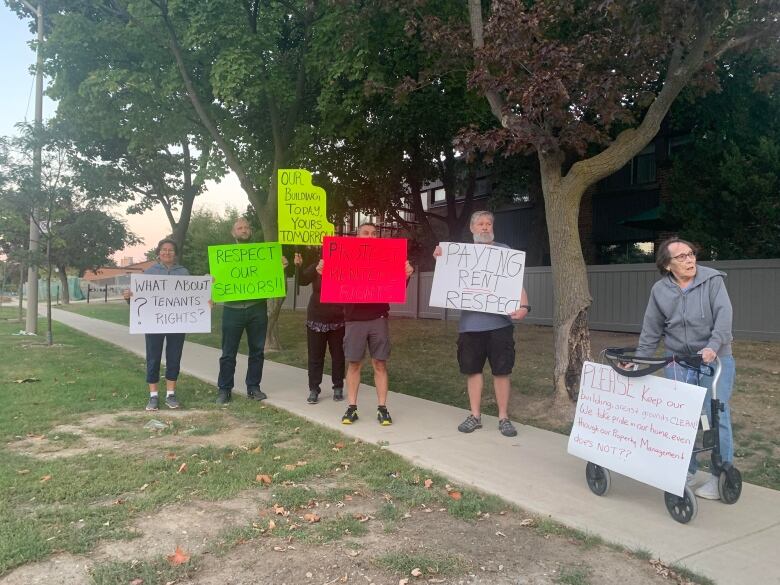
column 324, row 330
column 167, row 250
column 366, row 327
column 690, row 308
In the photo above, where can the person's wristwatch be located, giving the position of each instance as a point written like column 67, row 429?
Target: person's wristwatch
column 526, row 307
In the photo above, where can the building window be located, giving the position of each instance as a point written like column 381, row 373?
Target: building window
column 644, row 166
column 439, row 196
column 424, row 198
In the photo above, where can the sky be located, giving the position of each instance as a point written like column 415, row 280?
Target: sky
column 17, row 104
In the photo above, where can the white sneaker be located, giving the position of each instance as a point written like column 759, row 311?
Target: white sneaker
column 690, row 480
column 709, row 489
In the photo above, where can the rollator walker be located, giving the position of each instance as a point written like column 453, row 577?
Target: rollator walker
column 683, row 509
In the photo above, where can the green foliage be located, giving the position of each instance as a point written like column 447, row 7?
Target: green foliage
column 207, row 228
column 726, row 180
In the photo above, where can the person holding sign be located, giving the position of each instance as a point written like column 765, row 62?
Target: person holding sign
column 324, row 330
column 239, row 316
column 690, row 308
column 174, row 342
column 487, row 337
column 366, row 326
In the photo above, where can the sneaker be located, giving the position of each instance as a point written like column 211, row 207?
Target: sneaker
column 690, row 480
column 314, row 396
column 383, row 416
column 338, row 394
column 709, row 489
column 507, row 428
column 471, row 424
column 350, row 416
column 255, row 394
column 153, row 404
column 171, row 402
column 224, row 396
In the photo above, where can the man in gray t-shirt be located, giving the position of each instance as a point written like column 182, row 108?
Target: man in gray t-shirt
column 487, row 337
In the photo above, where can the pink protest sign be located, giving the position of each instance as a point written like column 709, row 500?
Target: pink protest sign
column 363, row 270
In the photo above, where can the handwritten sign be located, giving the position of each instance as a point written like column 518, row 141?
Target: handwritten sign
column 301, row 209
column 170, row 304
column 644, row 428
column 478, row 277
column 247, row 271
column 364, row 270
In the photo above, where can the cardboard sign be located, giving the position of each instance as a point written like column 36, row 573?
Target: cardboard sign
column 478, row 277
column 301, row 209
column 170, row 304
column 363, row 270
column 247, row 271
column 644, row 428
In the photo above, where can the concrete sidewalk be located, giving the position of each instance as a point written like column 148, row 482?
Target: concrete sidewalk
column 732, row 545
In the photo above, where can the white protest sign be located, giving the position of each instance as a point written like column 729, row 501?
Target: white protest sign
column 170, row 304
column 478, row 277
column 643, row 428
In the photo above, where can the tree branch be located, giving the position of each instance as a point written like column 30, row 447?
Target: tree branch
column 497, row 104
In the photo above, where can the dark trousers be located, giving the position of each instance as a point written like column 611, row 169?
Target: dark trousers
column 318, row 342
column 253, row 319
column 173, row 349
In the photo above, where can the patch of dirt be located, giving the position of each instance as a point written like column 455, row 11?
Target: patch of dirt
column 46, row 447
column 498, row 549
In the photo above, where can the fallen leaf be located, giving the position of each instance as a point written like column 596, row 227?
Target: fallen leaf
column 178, row 557
column 182, row 468
column 143, row 487
column 403, row 581
column 279, row 510
column 171, row 456
column 428, row 483
column 271, row 525
column 277, row 458
column 26, row 380
column 455, row 495
column 280, row 548
column 339, row 445
column 353, row 553
column 22, row 471
column 257, row 449
column 363, row 517
column 416, row 572
column 527, row 522
column 499, row 533
column 300, row 463
column 264, row 479
column 311, row 518
column 137, row 582
column 289, row 467
column 348, row 498
column 45, row 478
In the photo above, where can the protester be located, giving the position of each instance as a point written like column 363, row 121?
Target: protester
column 690, row 308
column 366, row 326
column 166, row 252
column 324, row 330
column 487, row 337
column 239, row 316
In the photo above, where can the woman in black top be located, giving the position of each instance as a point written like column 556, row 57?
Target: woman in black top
column 324, row 329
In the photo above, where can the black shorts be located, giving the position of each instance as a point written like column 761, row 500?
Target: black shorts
column 496, row 346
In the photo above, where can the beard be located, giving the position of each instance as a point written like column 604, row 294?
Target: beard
column 483, row 238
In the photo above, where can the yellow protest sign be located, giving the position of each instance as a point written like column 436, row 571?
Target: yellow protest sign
column 302, row 207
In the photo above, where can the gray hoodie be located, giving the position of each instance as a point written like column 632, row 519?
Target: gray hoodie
column 688, row 320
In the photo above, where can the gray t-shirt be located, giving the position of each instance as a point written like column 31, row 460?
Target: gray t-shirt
column 473, row 321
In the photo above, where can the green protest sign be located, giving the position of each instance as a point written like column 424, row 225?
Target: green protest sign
column 246, row 271
column 302, row 207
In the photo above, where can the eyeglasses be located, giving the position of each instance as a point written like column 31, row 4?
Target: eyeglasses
column 684, row 257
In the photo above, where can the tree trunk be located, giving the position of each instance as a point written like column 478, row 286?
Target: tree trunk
column 570, row 278
column 21, row 291
column 64, row 286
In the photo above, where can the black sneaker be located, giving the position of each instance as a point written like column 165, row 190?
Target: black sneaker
column 506, row 428
column 171, row 402
column 153, row 404
column 471, row 424
column 255, row 394
column 350, row 416
column 338, row 394
column 383, row 416
column 314, row 396
column 224, row 396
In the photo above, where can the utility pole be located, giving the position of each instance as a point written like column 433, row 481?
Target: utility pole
column 32, row 271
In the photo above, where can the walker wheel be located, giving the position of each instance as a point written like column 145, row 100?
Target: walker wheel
column 598, row 478
column 682, row 509
column 730, row 485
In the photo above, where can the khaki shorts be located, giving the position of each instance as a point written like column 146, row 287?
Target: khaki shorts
column 372, row 334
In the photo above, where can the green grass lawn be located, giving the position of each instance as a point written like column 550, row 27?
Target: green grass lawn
column 70, row 503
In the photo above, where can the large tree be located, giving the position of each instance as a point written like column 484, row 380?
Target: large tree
column 585, row 86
